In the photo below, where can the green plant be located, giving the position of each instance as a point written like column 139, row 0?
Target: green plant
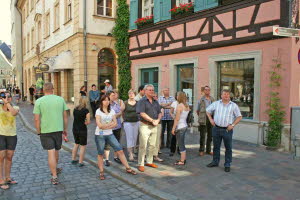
column 144, row 20
column 120, row 32
column 275, row 110
column 182, row 9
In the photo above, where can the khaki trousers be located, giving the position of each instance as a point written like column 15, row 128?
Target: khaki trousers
column 147, row 139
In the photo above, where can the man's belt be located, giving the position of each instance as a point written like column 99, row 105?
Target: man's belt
column 221, row 127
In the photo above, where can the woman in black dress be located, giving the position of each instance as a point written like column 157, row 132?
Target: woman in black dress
column 81, row 120
column 83, row 91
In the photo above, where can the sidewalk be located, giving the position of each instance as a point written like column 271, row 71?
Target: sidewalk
column 255, row 173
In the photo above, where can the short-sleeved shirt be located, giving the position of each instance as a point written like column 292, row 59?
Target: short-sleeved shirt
column 109, row 88
column 164, row 100
column 105, row 119
column 117, row 108
column 79, row 120
column 31, row 91
column 7, row 122
column 174, row 105
column 224, row 114
column 51, row 109
column 152, row 110
column 138, row 97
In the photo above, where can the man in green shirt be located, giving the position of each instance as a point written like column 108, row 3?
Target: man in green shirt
column 51, row 121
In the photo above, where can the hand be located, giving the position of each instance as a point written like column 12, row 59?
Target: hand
column 155, row 122
column 212, row 122
column 173, row 132
column 230, row 127
column 5, row 101
column 65, row 133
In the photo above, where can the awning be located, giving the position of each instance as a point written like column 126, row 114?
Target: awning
column 61, row 62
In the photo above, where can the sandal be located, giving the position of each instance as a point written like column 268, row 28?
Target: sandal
column 180, row 162
column 4, row 186
column 54, row 181
column 11, row 181
column 102, row 177
column 130, row 171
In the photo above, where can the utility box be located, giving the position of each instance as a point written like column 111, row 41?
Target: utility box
column 295, row 130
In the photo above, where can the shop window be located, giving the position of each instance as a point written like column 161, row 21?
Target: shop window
column 70, row 85
column 148, row 6
column 238, row 77
column 104, row 8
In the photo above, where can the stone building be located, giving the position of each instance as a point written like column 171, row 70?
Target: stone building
column 73, row 37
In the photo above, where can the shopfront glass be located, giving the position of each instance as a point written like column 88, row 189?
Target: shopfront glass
column 185, row 81
column 238, row 77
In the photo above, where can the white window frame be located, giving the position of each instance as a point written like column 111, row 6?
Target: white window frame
column 149, row 7
column 68, row 10
column 56, row 16
column 183, row 2
column 104, row 9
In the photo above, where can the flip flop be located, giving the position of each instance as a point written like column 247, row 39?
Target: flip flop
column 130, row 171
column 4, row 186
column 11, row 181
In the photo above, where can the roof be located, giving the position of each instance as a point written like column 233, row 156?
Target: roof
column 6, row 50
column 4, row 63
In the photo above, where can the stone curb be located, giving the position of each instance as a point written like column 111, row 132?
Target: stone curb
column 113, row 171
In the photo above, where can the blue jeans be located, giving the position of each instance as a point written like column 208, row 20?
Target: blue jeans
column 101, row 140
column 218, row 135
column 180, row 137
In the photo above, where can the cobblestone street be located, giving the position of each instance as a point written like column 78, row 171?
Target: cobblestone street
column 30, row 169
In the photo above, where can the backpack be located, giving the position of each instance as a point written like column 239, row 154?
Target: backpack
column 190, row 118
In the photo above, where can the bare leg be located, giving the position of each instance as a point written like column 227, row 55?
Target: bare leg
column 52, row 161
column 182, row 156
column 123, row 159
column 8, row 163
column 106, row 154
column 115, row 155
column 2, row 180
column 56, row 156
column 74, row 151
column 100, row 163
column 130, row 153
column 82, row 153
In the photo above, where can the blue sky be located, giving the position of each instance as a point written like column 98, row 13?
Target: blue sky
column 5, row 21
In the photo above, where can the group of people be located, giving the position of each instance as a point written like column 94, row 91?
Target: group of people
column 145, row 117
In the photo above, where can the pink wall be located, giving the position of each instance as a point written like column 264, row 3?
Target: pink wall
column 289, row 91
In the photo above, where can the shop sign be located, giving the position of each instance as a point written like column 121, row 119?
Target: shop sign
column 286, row 32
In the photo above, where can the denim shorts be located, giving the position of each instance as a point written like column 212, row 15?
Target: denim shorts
column 101, row 140
column 180, row 137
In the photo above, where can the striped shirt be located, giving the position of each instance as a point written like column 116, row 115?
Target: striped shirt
column 224, row 114
column 164, row 100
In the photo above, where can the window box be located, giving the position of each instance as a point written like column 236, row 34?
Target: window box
column 144, row 21
column 182, row 10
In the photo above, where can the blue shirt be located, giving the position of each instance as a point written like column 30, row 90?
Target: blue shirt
column 224, row 114
column 164, row 100
column 117, row 108
column 94, row 95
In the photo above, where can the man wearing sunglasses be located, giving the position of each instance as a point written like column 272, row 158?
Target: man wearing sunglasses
column 8, row 138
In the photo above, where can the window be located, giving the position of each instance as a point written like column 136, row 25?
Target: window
column 68, row 10
column 183, row 1
column 104, row 8
column 238, row 77
column 148, row 6
column 39, row 32
column 56, row 16
column 32, row 38
column 47, row 24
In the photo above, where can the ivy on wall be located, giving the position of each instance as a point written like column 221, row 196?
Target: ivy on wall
column 275, row 109
column 121, row 35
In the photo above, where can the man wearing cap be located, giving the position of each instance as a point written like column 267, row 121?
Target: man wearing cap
column 108, row 86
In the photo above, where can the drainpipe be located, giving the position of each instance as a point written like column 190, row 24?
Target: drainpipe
column 22, row 78
column 84, row 44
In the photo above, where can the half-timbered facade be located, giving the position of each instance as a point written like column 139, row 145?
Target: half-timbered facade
column 226, row 44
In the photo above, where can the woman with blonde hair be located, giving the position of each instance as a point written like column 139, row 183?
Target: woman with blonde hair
column 81, row 120
column 180, row 126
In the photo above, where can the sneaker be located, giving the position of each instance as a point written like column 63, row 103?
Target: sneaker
column 107, row 163
column 54, row 181
column 74, row 162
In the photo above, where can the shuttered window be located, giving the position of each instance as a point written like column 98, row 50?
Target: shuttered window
column 205, row 4
column 134, row 6
column 162, row 10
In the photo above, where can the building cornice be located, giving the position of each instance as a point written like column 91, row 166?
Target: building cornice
column 20, row 3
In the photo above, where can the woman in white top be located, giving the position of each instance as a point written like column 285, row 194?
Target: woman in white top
column 180, row 126
column 106, row 121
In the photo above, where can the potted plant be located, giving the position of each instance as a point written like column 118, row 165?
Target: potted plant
column 144, row 21
column 182, row 10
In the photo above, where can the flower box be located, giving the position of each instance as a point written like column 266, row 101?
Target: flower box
column 182, row 10
column 144, row 21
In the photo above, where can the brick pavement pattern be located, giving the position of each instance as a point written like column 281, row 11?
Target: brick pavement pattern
column 255, row 173
column 30, row 169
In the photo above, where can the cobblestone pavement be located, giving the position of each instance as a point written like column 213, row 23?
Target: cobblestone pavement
column 255, row 174
column 30, row 169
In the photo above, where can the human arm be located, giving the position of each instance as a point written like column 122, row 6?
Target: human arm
column 198, row 108
column 87, row 119
column 209, row 110
column 12, row 110
column 238, row 117
column 65, row 121
column 37, row 123
column 177, row 117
